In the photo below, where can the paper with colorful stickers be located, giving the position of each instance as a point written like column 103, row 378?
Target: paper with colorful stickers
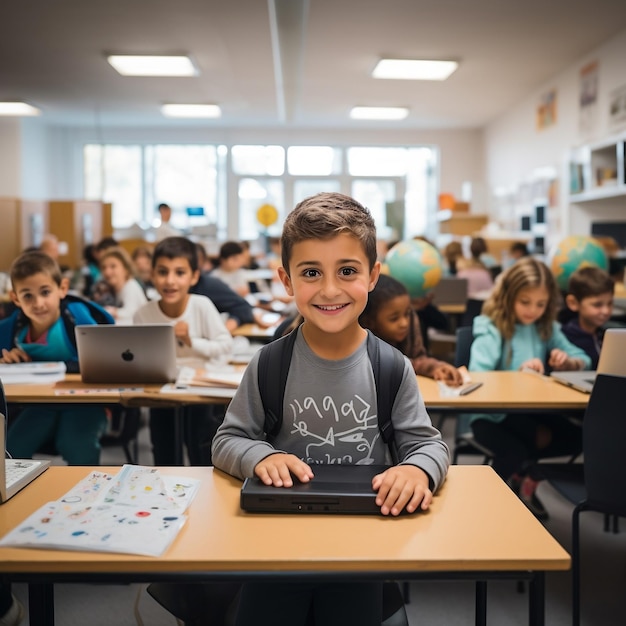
column 137, row 511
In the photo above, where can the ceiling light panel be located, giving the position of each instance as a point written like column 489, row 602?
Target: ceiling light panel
column 152, row 65
column 18, row 109
column 379, row 113
column 191, row 110
column 410, row 69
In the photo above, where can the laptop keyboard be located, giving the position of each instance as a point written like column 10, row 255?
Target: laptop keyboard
column 16, row 469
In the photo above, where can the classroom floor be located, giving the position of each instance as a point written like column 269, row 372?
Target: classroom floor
column 432, row 603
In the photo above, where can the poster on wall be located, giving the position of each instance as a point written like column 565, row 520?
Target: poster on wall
column 546, row 110
column 617, row 107
column 588, row 100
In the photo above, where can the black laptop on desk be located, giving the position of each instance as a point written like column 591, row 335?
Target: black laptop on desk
column 343, row 489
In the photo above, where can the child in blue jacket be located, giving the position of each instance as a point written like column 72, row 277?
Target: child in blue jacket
column 42, row 329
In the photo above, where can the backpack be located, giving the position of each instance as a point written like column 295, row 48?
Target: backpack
column 275, row 358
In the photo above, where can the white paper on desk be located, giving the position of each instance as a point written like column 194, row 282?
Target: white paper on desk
column 209, row 392
column 41, row 372
column 198, row 377
column 98, row 527
column 136, row 511
column 447, row 391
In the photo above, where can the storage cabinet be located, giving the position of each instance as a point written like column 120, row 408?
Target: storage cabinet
column 24, row 222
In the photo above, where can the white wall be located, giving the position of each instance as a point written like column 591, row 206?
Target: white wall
column 10, row 151
column 515, row 149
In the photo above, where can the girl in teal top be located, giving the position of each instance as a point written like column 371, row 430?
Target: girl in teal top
column 516, row 331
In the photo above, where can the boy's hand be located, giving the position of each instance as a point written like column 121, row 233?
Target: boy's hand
column 448, row 374
column 181, row 331
column 276, row 469
column 15, row 355
column 533, row 364
column 400, row 487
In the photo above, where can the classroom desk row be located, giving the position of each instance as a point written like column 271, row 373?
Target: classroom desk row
column 501, row 391
column 459, row 538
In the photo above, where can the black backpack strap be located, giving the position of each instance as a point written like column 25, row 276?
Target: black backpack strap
column 274, row 360
column 388, row 368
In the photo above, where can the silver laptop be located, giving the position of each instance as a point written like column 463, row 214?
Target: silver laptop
column 612, row 361
column 15, row 474
column 342, row 489
column 112, row 354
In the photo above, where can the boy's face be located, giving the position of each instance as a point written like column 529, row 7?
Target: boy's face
column 39, row 297
column 593, row 312
column 172, row 278
column 330, row 281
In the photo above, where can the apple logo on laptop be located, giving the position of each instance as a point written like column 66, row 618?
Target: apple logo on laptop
column 127, row 355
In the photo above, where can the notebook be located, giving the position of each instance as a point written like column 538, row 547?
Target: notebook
column 334, row 489
column 145, row 353
column 15, row 474
column 611, row 362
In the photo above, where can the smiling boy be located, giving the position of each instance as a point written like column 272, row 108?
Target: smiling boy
column 42, row 329
column 329, row 266
column 201, row 336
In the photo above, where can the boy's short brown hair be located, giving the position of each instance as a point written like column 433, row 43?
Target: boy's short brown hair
column 589, row 281
column 327, row 215
column 175, row 248
column 34, row 262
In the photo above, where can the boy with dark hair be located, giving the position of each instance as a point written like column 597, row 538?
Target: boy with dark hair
column 329, row 266
column 201, row 336
column 42, row 329
column 590, row 298
column 230, row 267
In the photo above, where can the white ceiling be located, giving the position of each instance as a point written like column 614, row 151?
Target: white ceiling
column 293, row 63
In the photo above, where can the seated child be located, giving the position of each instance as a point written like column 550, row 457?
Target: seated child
column 517, row 330
column 329, row 266
column 590, row 298
column 231, row 267
column 389, row 315
column 118, row 272
column 201, row 336
column 42, row 329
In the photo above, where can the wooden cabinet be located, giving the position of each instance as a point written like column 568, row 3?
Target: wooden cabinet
column 77, row 223
column 460, row 223
column 24, row 223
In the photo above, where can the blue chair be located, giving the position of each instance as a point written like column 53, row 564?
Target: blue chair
column 464, row 442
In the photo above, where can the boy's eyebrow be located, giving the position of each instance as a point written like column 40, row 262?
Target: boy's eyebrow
column 339, row 262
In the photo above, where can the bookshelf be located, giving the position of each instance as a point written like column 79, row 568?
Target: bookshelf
column 597, row 184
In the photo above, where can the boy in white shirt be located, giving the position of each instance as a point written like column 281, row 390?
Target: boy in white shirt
column 201, row 336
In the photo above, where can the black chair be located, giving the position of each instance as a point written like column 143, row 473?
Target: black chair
column 600, row 483
column 464, row 442
column 215, row 604
column 123, row 431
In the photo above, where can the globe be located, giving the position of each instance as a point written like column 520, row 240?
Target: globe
column 573, row 253
column 416, row 264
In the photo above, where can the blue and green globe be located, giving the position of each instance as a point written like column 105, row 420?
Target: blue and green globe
column 417, row 265
column 575, row 252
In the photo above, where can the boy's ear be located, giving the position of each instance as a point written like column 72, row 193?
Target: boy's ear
column 571, row 302
column 374, row 274
column 64, row 286
column 195, row 277
column 285, row 280
column 15, row 299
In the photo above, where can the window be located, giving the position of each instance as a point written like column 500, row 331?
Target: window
column 313, row 160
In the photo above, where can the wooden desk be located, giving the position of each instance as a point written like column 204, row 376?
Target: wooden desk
column 476, row 529
column 253, row 331
column 131, row 396
column 506, row 392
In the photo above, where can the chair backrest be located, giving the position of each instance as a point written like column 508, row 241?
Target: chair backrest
column 604, row 445
column 450, row 290
column 464, row 338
